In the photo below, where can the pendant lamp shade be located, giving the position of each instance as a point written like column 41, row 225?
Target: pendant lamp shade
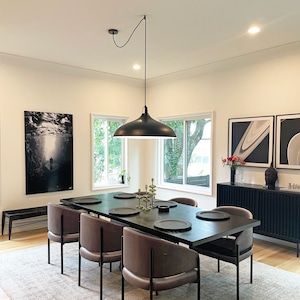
column 144, row 126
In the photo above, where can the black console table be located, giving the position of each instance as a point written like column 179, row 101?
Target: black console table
column 278, row 210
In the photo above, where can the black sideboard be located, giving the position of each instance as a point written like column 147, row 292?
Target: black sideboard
column 278, row 210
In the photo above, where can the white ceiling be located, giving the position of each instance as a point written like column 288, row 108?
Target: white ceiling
column 181, row 34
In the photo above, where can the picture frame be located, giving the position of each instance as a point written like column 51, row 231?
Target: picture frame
column 48, row 152
column 251, row 139
column 288, row 141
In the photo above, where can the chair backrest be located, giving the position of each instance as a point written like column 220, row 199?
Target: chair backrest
column 168, row 258
column 71, row 219
column 244, row 238
column 236, row 211
column 91, row 229
column 187, row 201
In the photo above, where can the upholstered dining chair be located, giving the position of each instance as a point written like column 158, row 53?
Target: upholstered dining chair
column 63, row 227
column 99, row 241
column 187, row 201
column 155, row 264
column 232, row 249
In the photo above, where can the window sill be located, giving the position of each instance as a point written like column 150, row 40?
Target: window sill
column 187, row 188
column 110, row 187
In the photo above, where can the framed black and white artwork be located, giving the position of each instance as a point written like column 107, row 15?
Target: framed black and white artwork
column 48, row 152
column 251, row 139
column 288, row 141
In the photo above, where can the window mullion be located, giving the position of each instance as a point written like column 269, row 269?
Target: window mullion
column 184, row 153
column 106, row 152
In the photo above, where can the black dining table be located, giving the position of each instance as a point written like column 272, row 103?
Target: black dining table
column 192, row 225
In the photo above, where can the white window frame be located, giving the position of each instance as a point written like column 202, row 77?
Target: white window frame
column 124, row 153
column 185, row 187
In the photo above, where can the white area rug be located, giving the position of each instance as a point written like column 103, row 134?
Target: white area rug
column 25, row 275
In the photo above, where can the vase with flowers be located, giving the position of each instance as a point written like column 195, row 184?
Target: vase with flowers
column 233, row 162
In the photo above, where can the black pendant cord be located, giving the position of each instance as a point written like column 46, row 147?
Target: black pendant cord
column 114, row 32
column 145, row 65
column 144, row 126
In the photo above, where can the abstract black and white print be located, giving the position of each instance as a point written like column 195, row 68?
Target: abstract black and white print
column 288, row 141
column 251, row 139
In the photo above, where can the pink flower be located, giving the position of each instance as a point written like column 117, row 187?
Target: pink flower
column 233, row 162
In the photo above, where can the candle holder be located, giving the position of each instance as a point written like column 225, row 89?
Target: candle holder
column 146, row 199
column 152, row 192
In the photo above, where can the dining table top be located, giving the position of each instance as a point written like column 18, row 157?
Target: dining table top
column 192, row 227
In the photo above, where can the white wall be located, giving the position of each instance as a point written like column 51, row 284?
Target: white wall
column 29, row 85
column 268, row 87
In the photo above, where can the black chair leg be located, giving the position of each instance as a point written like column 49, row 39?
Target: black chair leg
column 251, row 269
column 198, row 281
column 237, row 272
column 151, row 273
column 61, row 259
column 238, row 280
column 121, row 268
column 101, row 280
column 123, row 288
column 61, row 244
column 48, row 251
column 79, row 270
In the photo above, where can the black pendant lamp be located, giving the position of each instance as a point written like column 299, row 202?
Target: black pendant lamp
column 144, row 126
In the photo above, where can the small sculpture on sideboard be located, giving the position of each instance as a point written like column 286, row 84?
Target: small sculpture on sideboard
column 271, row 177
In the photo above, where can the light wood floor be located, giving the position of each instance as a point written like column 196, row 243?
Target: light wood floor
column 266, row 252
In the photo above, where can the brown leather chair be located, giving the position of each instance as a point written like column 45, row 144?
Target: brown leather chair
column 232, row 249
column 63, row 227
column 187, row 201
column 100, row 241
column 154, row 264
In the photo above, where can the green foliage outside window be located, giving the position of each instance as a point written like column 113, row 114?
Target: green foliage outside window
column 108, row 151
column 187, row 158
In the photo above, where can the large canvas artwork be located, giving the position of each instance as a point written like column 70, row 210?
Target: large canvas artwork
column 48, row 151
column 251, row 139
column 288, row 141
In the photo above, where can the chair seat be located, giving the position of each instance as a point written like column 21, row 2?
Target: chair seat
column 95, row 256
column 223, row 248
column 223, row 245
column 160, row 284
column 67, row 238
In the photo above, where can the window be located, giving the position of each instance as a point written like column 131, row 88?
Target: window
column 186, row 160
column 109, row 154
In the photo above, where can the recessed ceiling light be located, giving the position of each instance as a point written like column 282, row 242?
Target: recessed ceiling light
column 253, row 30
column 136, row 67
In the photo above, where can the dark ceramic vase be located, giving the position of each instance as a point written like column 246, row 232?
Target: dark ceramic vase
column 232, row 176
